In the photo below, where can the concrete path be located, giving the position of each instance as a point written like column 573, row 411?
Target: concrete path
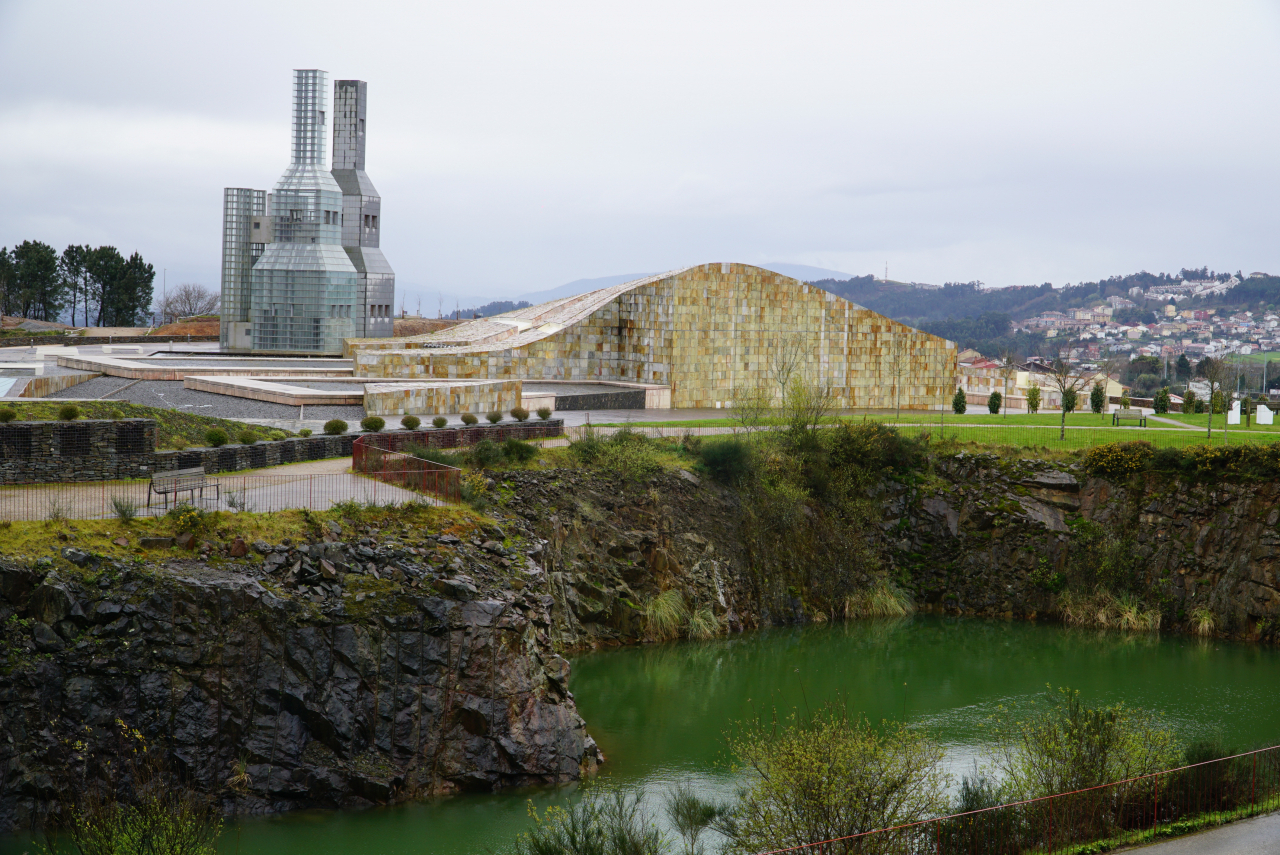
column 1257, row 836
column 317, row 485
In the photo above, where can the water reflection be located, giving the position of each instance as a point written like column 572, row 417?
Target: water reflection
column 660, row 712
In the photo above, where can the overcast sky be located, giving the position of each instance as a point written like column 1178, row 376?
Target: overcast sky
column 521, row 145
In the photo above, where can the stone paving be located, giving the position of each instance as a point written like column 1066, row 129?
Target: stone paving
column 1257, row 836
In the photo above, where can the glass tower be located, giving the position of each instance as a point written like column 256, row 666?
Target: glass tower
column 303, row 288
column 361, row 212
column 243, row 211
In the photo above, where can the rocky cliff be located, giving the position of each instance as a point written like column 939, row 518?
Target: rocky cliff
column 323, row 674
column 370, row 661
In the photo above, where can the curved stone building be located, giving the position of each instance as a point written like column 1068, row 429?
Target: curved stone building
column 703, row 332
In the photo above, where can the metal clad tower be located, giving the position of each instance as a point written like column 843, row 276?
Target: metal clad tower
column 361, row 213
column 303, row 292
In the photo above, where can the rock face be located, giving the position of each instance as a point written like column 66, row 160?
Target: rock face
column 363, row 667
column 324, row 707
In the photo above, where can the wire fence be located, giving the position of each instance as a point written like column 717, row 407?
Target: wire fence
column 1012, row 435
column 1164, row 804
column 372, row 455
column 230, row 492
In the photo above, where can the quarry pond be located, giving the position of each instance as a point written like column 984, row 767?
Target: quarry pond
column 659, row 711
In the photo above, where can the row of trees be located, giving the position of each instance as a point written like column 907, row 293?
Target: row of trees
column 99, row 287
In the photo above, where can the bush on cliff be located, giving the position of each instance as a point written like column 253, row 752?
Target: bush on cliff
column 1118, row 459
column 1243, row 462
column 728, row 460
column 625, row 452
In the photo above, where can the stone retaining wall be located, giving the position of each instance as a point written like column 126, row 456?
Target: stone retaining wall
column 433, row 399
column 88, row 450
column 234, row 458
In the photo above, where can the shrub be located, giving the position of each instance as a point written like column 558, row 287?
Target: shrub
column 994, row 402
column 604, row 822
column 335, row 427
column 1125, row 402
column 469, row 419
column 544, row 413
column 439, row 421
column 410, row 422
column 829, row 776
column 1189, row 402
column 304, row 433
column 1070, row 398
column 373, row 424
column 7, row 415
column 1098, row 398
column 494, row 417
column 474, row 490
column 874, row 446
column 485, row 453
column 435, row 455
column 959, row 403
column 126, row 510
column 1033, row 400
column 626, row 452
column 1160, row 403
column 216, row 437
column 276, row 435
column 1118, row 459
column 520, row 414
column 728, row 461
column 247, row 437
column 518, row 451
column 68, row 413
column 1056, row 744
column 115, row 415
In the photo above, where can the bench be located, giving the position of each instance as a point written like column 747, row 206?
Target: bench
column 178, row 481
column 1133, row 415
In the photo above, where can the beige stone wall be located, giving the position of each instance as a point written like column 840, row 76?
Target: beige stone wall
column 437, row 399
column 705, row 331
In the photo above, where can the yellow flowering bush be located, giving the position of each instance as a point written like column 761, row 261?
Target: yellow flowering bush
column 1118, row 459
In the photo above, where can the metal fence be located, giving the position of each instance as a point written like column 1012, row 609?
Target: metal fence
column 1164, row 804
column 262, row 493
column 1014, row 435
column 372, row 455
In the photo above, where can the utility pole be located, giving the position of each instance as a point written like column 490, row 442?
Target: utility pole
column 164, row 290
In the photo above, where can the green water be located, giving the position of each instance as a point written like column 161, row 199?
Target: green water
column 659, row 712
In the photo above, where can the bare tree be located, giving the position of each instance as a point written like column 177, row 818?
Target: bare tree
column 1068, row 383
column 189, row 299
column 807, row 405
column 899, row 365
column 750, row 403
column 1218, row 374
column 786, row 353
column 1008, row 371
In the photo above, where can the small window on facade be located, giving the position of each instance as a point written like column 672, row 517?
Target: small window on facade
column 375, row 221
column 361, row 125
column 322, row 117
column 326, row 218
column 257, row 226
column 366, row 221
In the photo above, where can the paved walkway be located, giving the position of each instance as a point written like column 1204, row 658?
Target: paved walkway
column 317, row 484
column 1257, row 836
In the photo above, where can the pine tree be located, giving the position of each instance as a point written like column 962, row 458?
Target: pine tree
column 958, row 402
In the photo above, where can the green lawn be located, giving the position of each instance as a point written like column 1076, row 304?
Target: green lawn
column 918, row 417
column 1047, row 437
column 1200, row 420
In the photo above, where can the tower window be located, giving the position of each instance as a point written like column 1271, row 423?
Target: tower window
column 321, row 116
column 366, row 221
column 375, row 221
column 257, row 226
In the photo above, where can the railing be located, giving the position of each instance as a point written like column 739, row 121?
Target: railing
column 262, row 493
column 1163, row 804
column 1021, row 436
column 373, row 455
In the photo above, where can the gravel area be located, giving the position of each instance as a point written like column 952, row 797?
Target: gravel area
column 172, row 395
column 95, row 388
